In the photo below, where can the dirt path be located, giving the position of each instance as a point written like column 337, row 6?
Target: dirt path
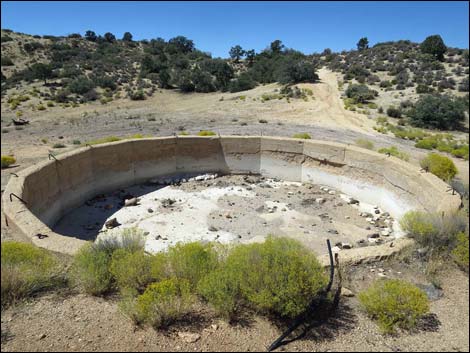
column 329, row 110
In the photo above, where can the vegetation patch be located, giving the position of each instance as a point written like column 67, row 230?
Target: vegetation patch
column 206, row 133
column 393, row 151
column 302, row 135
column 394, row 304
column 441, row 166
column 7, row 161
column 27, row 270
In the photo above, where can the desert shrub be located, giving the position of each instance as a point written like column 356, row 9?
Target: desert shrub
column 426, row 144
column 278, row 276
column 90, row 270
column 40, row 107
column 163, row 303
column 132, row 271
column 302, row 135
column 460, row 152
column 27, row 270
column 58, row 145
column 365, row 144
column 421, row 88
column 441, row 166
column 393, row 112
column 91, row 266
column 206, row 133
column 8, row 161
column 6, row 61
column 221, row 288
column 461, row 250
column 192, row 261
column 137, row 95
column 243, row 82
column 394, row 304
column 393, row 151
column 360, row 93
column 81, row 85
column 103, row 140
column 438, row 112
column 433, row 231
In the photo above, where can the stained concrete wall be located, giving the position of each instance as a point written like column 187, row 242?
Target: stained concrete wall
column 53, row 188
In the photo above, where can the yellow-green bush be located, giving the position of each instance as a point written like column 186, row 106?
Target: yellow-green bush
column 434, row 231
column 206, row 133
column 393, row 151
column 164, row 302
column 461, row 250
column 441, row 166
column 192, row 261
column 91, row 268
column 41, row 107
column 221, row 288
column 103, row 140
column 27, row 270
column 7, row 161
column 133, row 271
column 302, row 135
column 394, row 304
column 365, row 144
column 279, row 277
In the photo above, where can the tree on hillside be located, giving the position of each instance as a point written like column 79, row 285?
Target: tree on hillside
column 109, row 37
column 438, row 112
column 435, row 46
column 277, row 46
column 182, row 43
column 41, row 71
column 91, row 36
column 363, row 43
column 250, row 56
column 360, row 93
column 236, row 53
column 127, row 37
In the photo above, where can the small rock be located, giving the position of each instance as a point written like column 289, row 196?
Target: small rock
column 335, row 249
column 345, row 292
column 131, row 202
column 112, row 223
column 149, row 210
column 189, row 337
column 320, row 200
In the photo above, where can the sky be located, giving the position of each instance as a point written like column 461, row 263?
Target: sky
column 217, row 26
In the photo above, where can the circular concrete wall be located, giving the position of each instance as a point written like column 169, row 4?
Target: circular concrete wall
column 49, row 190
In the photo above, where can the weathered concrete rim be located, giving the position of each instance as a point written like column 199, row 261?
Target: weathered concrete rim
column 53, row 187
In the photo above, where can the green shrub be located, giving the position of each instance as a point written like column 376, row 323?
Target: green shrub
column 460, row 252
column 137, row 95
column 278, row 276
column 393, row 112
column 27, row 270
column 192, row 261
column 58, row 145
column 441, row 166
column 7, row 161
column 394, row 304
column 460, row 152
column 104, row 140
column 132, row 271
column 90, row 270
column 206, row 133
column 393, row 151
column 438, row 112
column 302, row 135
column 163, row 303
column 221, row 288
column 365, row 144
column 360, row 93
column 91, row 267
column 434, row 231
column 41, row 107
column 426, row 144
